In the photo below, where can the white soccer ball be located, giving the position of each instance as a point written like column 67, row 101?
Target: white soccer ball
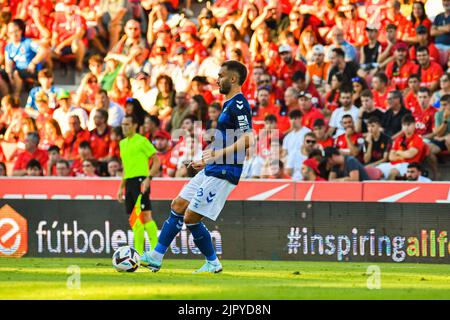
column 126, row 259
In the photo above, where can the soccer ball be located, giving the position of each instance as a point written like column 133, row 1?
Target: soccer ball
column 126, row 259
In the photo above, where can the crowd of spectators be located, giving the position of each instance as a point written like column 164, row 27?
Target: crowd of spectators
column 339, row 90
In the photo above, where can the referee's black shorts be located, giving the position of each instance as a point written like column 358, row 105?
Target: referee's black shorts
column 132, row 191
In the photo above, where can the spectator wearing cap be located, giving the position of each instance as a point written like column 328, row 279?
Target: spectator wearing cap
column 162, row 37
column 188, row 37
column 344, row 167
column 310, row 113
column 320, row 131
column 425, row 115
column 295, row 138
column 69, row 34
column 180, row 111
column 369, row 52
column 318, row 69
column 350, row 142
column 392, row 122
column 188, row 69
column 31, row 152
column 414, row 173
column 429, row 71
column 23, row 57
column 389, row 41
column 441, row 139
column 408, row 147
column 163, row 145
column 296, row 157
column 339, row 42
column 441, row 28
column 399, row 69
column 354, row 27
column 74, row 137
column 423, row 40
column 287, row 67
column 339, row 64
column 143, row 91
column 162, row 65
column 377, row 143
column 310, row 170
column 366, row 111
column 115, row 112
column 65, row 110
column 335, row 125
column 211, row 65
column 100, row 136
column 380, row 90
column 45, row 79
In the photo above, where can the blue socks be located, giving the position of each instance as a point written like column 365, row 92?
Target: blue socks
column 202, row 240
column 169, row 231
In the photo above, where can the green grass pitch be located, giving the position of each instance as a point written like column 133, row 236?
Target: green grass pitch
column 47, row 278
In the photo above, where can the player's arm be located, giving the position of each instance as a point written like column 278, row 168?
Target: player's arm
column 241, row 145
column 120, row 191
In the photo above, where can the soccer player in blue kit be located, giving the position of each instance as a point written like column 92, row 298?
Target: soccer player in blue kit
column 220, row 171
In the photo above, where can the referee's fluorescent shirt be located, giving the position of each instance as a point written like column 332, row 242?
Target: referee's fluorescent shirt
column 135, row 153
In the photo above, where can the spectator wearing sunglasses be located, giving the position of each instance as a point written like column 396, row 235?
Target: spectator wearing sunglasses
column 296, row 158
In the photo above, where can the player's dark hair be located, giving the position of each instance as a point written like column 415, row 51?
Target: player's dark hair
column 295, row 114
column 408, row 119
column 238, row 67
column 270, row 118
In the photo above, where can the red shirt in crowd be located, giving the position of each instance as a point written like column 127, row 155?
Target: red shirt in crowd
column 72, row 142
column 403, row 143
column 259, row 115
column 399, row 74
column 430, row 74
column 355, row 31
column 434, row 52
column 65, row 28
column 286, row 71
column 380, row 100
column 355, row 138
column 411, row 103
column 100, row 143
column 326, row 143
column 309, row 117
column 425, row 121
column 403, row 26
column 114, row 149
column 25, row 156
column 164, row 159
column 196, row 51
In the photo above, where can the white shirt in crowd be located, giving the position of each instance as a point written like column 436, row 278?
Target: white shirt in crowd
column 294, row 161
column 336, row 119
column 63, row 117
column 252, row 167
column 115, row 116
column 294, row 139
column 147, row 99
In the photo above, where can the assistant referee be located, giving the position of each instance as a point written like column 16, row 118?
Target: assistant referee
column 136, row 151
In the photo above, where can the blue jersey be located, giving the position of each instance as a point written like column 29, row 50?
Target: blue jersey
column 23, row 53
column 31, row 101
column 234, row 120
